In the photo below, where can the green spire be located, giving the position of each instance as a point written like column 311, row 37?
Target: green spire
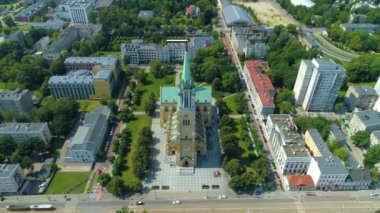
column 186, row 79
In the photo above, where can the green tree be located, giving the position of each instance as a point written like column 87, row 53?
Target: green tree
column 57, row 67
column 372, row 156
column 361, row 139
column 231, row 82
column 285, row 101
column 244, row 182
column 52, row 4
column 118, row 166
column 116, row 186
column 150, row 105
column 9, row 21
column 374, row 174
column 141, row 76
column 7, row 145
column 320, row 123
column 104, row 179
column 30, row 146
column 233, row 167
column 222, row 107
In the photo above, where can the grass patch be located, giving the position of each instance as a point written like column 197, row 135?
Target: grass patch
column 135, row 126
column 230, row 101
column 10, row 85
column 153, row 87
column 63, row 182
column 88, row 105
column 106, row 53
column 371, row 84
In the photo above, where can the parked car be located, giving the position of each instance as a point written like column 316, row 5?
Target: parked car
column 374, row 194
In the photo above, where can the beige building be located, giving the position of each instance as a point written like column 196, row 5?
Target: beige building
column 185, row 114
column 367, row 120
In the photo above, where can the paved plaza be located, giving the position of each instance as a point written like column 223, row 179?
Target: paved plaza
column 163, row 171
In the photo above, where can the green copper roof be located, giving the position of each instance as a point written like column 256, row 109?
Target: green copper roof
column 186, row 79
column 169, row 94
column 202, row 94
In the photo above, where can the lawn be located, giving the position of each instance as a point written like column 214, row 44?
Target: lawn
column 88, row 105
column 106, row 53
column 230, row 101
column 153, row 87
column 135, row 127
column 63, row 182
column 23, row 27
column 9, row 85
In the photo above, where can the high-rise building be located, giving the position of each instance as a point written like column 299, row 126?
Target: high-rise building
column 79, row 11
column 20, row 100
column 318, row 83
column 185, row 112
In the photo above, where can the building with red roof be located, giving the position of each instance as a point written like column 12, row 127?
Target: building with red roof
column 297, row 182
column 260, row 88
column 192, row 11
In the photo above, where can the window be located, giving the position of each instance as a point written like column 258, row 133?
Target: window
column 166, row 109
column 204, row 109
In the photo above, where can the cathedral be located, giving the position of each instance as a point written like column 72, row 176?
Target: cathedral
column 185, row 114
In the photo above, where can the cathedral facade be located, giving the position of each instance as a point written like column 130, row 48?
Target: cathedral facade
column 185, row 114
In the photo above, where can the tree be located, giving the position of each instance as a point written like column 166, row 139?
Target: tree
column 118, row 166
column 141, row 76
column 231, row 82
column 233, row 167
column 217, row 84
column 126, row 115
column 116, row 186
column 241, row 103
column 150, row 105
column 104, row 179
column 7, row 145
column 222, row 107
column 155, row 69
column 52, row 4
column 92, row 17
column 320, row 123
column 57, row 67
column 374, row 174
column 113, row 106
column 31, row 145
column 285, row 101
column 9, row 21
column 244, row 182
column 361, row 139
column 372, row 156
column 125, row 209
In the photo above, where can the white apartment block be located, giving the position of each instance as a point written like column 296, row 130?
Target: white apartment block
column 140, row 53
column 367, row 120
column 288, row 146
column 78, row 85
column 326, row 170
column 11, row 178
column 23, row 131
column 20, row 100
column 89, row 137
column 318, row 83
column 79, row 11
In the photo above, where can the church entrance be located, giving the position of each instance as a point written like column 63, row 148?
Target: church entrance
column 186, row 164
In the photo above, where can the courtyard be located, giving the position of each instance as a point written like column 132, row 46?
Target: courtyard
column 165, row 176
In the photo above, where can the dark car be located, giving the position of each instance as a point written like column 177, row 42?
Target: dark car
column 139, row 203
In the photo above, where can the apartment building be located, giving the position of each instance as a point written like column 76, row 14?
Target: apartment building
column 77, row 85
column 362, row 97
column 291, row 155
column 318, row 83
column 20, row 100
column 367, row 120
column 88, row 63
column 375, row 138
column 326, row 170
column 139, row 52
column 23, row 131
column 248, row 40
column 89, row 137
column 79, row 11
column 260, row 88
column 11, row 178
column 28, row 13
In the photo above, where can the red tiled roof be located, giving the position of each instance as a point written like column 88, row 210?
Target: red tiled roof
column 261, row 81
column 190, row 9
column 298, row 180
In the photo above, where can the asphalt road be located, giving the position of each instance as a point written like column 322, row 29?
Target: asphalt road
column 302, row 204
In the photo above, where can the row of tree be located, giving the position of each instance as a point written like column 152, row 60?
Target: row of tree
column 21, row 153
column 284, row 55
column 214, row 66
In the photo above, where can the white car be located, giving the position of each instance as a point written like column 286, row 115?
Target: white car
column 222, row 197
column 176, row 202
column 374, row 194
